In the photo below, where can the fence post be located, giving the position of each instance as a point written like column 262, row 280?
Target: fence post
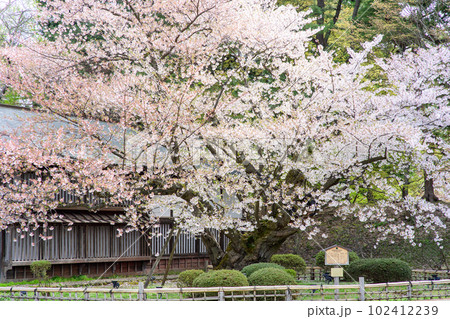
column 288, row 294
column 221, row 295
column 410, row 290
column 336, row 291
column 141, row 291
column 361, row 289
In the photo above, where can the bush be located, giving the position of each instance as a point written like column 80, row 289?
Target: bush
column 291, row 272
column 290, row 261
column 39, row 269
column 271, row 277
column 250, row 269
column 221, row 278
column 187, row 277
column 380, row 270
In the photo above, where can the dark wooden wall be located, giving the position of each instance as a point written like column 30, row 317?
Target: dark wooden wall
column 93, row 249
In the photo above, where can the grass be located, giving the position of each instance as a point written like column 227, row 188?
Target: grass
column 419, row 292
column 46, row 282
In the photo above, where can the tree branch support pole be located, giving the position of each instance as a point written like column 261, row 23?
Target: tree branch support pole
column 161, row 253
column 166, row 273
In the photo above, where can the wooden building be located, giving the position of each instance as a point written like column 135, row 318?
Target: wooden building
column 87, row 243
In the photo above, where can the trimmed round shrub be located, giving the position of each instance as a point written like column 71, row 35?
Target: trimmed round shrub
column 291, row 272
column 187, row 277
column 290, row 261
column 221, row 278
column 250, row 269
column 380, row 270
column 271, row 277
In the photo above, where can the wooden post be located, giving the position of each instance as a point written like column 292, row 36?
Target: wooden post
column 221, row 295
column 361, row 289
column 336, row 291
column 410, row 290
column 141, row 291
column 288, row 294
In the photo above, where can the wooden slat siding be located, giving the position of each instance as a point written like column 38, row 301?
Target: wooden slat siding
column 158, row 240
column 88, row 241
column 94, row 243
column 107, row 244
column 111, row 241
column 55, row 243
column 62, row 250
column 8, row 239
column 186, row 244
column 116, row 244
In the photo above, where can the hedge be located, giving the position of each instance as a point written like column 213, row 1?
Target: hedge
column 187, row 277
column 250, row 269
column 291, row 272
column 290, row 261
column 380, row 270
column 221, row 278
column 271, row 277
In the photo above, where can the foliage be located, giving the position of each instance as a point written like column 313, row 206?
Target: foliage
column 221, row 278
column 250, row 269
column 271, row 277
column 290, row 261
column 380, row 270
column 291, row 272
column 39, row 269
column 187, row 277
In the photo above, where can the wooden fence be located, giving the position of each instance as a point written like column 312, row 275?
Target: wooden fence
column 427, row 274
column 416, row 290
column 316, row 273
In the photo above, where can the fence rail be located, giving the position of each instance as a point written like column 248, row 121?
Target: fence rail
column 316, row 273
column 416, row 290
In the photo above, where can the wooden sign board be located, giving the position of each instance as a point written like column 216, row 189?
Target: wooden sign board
column 337, row 272
column 336, row 255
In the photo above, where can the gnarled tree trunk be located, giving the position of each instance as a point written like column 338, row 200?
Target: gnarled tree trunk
column 249, row 247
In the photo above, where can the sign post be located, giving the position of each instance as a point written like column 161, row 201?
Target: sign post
column 336, row 256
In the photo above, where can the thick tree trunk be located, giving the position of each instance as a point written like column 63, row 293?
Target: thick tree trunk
column 248, row 248
column 429, row 194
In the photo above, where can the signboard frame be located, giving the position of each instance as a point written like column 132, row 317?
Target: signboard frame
column 342, row 261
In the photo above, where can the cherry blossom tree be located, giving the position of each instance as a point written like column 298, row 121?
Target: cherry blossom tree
column 216, row 110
